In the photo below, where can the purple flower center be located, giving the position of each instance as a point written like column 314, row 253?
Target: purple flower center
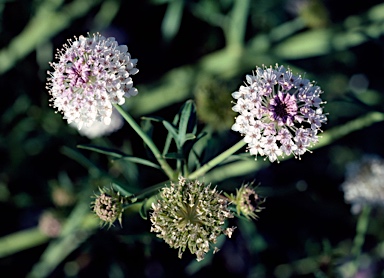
column 78, row 73
column 283, row 109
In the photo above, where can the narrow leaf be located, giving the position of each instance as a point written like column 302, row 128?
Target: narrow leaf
column 155, row 119
column 142, row 161
column 172, row 130
column 144, row 210
column 120, row 189
column 103, row 150
column 168, row 140
column 190, row 136
column 174, row 156
column 184, row 119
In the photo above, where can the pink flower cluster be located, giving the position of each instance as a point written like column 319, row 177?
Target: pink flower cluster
column 279, row 113
column 92, row 74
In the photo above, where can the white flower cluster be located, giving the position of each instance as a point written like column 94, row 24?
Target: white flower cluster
column 279, row 113
column 364, row 184
column 91, row 74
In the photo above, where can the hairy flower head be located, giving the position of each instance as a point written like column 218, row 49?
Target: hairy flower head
column 108, row 206
column 364, row 184
column 190, row 214
column 91, row 74
column 279, row 113
column 247, row 201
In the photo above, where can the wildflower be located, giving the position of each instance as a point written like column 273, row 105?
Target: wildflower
column 50, row 224
column 190, row 214
column 364, row 183
column 109, row 206
column 247, row 201
column 279, row 113
column 62, row 197
column 91, row 74
column 99, row 129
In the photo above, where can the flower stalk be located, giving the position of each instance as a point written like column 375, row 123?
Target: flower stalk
column 147, row 140
column 218, row 159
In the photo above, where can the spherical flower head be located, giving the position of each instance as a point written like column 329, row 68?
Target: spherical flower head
column 92, row 73
column 190, row 214
column 279, row 113
column 108, row 206
column 247, row 201
column 364, row 183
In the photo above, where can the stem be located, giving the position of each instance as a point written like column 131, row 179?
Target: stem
column 236, row 27
column 147, row 140
column 218, row 159
column 361, row 230
column 148, row 191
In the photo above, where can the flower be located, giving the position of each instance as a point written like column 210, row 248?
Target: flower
column 190, row 214
column 50, row 224
column 364, row 183
column 62, row 197
column 247, row 201
column 99, row 129
column 92, row 74
column 108, row 206
column 279, row 113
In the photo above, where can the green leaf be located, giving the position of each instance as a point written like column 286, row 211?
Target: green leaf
column 173, row 132
column 21, row 240
column 172, row 19
column 155, row 119
column 144, row 210
column 190, row 136
column 184, row 120
column 103, row 150
column 119, row 154
column 174, row 156
column 168, row 140
column 142, row 161
column 120, row 189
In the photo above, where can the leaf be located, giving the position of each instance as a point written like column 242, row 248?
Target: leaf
column 174, row 156
column 119, row 154
column 190, row 136
column 144, row 209
column 173, row 132
column 184, row 120
column 142, row 161
column 121, row 190
column 155, row 119
column 172, row 19
column 168, row 140
column 103, row 150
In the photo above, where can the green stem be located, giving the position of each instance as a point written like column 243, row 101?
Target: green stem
column 149, row 191
column 236, row 27
column 358, row 242
column 218, row 159
column 147, row 140
column 361, row 229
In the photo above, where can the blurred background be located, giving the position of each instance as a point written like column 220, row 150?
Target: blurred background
column 200, row 50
